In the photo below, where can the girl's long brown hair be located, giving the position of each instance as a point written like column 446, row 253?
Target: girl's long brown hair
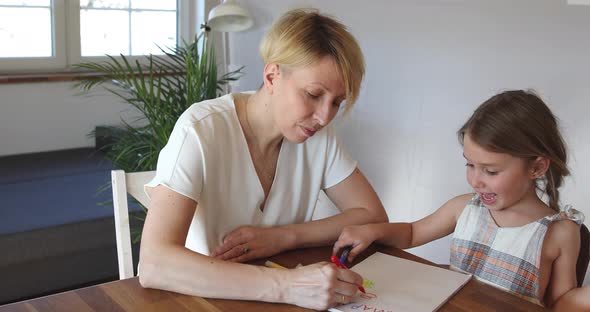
column 519, row 123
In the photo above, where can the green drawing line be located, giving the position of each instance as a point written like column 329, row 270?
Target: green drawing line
column 368, row 283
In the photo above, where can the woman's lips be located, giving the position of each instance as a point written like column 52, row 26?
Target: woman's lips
column 308, row 132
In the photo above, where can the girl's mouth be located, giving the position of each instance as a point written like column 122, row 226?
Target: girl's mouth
column 488, row 198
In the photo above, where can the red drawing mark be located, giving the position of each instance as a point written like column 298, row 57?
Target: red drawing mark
column 373, row 309
column 368, row 296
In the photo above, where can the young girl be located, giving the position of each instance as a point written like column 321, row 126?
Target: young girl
column 504, row 233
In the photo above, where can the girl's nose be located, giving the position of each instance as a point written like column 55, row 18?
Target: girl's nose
column 477, row 182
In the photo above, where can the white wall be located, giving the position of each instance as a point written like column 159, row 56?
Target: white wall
column 429, row 64
column 42, row 116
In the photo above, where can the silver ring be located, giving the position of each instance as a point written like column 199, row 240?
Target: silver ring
column 246, row 249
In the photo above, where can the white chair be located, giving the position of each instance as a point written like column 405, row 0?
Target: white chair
column 123, row 184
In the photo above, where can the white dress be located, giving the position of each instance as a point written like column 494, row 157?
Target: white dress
column 207, row 160
column 505, row 257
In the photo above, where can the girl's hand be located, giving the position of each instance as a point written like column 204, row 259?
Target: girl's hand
column 357, row 236
column 249, row 242
column 321, row 286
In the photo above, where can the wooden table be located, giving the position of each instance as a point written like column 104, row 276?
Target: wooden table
column 128, row 295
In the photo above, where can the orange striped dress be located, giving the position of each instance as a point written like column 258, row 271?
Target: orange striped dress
column 505, row 257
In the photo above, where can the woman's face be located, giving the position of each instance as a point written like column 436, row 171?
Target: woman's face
column 306, row 99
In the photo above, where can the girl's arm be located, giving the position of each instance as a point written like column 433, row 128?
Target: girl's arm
column 404, row 235
column 354, row 196
column 563, row 239
column 165, row 263
column 577, row 299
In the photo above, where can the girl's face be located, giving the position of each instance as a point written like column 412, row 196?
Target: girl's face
column 304, row 100
column 502, row 180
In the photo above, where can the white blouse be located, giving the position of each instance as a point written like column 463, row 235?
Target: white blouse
column 207, row 160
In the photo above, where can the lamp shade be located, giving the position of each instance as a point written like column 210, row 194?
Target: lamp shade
column 229, row 16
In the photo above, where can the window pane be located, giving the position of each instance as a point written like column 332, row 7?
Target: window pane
column 104, row 32
column 150, row 29
column 26, row 2
column 113, row 4
column 154, row 4
column 25, row 32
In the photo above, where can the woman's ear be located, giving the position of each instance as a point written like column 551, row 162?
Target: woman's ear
column 539, row 167
column 270, row 74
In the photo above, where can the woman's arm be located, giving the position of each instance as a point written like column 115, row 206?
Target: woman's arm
column 359, row 204
column 167, row 264
column 354, row 196
column 404, row 235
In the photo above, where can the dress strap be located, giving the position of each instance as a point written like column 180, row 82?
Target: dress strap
column 568, row 213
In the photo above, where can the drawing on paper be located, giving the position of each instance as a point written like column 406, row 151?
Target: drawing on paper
column 395, row 284
column 368, row 284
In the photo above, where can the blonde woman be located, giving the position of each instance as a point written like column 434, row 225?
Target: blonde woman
column 240, row 177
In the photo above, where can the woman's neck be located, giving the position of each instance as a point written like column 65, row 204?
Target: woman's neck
column 259, row 119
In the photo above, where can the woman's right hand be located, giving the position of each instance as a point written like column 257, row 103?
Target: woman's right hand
column 321, row 286
column 359, row 237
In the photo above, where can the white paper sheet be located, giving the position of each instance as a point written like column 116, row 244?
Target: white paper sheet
column 396, row 284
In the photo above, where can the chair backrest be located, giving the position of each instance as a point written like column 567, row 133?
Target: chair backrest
column 584, row 256
column 123, row 184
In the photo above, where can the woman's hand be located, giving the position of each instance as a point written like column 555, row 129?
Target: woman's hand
column 249, row 242
column 359, row 237
column 321, row 286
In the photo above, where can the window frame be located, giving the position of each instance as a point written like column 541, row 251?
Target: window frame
column 67, row 44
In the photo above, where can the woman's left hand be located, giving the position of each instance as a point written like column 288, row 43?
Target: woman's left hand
column 249, row 242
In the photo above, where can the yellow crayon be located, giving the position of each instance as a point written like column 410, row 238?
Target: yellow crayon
column 271, row 264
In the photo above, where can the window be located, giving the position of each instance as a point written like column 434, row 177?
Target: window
column 127, row 26
column 17, row 37
column 34, row 36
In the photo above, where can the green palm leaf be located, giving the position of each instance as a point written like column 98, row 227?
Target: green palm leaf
column 160, row 88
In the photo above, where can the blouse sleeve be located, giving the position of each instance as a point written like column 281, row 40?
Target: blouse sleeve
column 339, row 163
column 180, row 164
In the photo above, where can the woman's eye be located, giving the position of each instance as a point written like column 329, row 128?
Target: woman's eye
column 469, row 165
column 313, row 96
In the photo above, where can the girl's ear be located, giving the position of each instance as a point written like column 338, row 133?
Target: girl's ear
column 539, row 167
column 270, row 74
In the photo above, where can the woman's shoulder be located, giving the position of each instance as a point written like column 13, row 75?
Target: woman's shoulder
column 205, row 110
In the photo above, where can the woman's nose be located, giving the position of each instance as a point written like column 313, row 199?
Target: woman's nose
column 323, row 113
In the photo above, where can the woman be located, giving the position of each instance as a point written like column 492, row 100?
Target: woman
column 240, row 177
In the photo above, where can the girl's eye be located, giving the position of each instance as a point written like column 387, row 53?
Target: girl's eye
column 469, row 165
column 490, row 172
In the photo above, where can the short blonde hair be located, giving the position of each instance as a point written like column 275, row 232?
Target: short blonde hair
column 302, row 37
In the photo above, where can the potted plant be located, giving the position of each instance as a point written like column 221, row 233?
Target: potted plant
column 160, row 88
